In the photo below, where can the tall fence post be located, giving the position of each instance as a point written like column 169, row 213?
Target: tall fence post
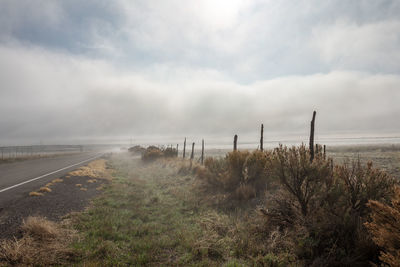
column 312, row 136
column 192, row 155
column 262, row 138
column 202, row 151
column 324, row 151
column 177, row 147
column 184, row 148
column 235, row 142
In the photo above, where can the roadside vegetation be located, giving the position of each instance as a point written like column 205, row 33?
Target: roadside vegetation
column 259, row 208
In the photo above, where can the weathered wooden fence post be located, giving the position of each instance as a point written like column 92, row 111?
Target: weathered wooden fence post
column 324, row 151
column 262, row 138
column 235, row 142
column 202, row 152
column 192, row 155
column 184, row 148
column 312, row 136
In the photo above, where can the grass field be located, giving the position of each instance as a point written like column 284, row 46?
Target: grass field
column 151, row 216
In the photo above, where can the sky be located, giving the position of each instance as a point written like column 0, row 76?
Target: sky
column 108, row 70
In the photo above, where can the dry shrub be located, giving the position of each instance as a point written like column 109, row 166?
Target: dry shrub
column 256, row 170
column 362, row 184
column 57, row 180
column 151, row 154
column 245, row 192
column 385, row 228
column 318, row 208
column 35, row 194
column 298, row 175
column 325, row 206
column 43, row 243
column 137, row 150
column 240, row 176
column 95, row 169
column 40, row 228
column 213, row 172
column 235, row 177
column 45, row 189
column 170, row 152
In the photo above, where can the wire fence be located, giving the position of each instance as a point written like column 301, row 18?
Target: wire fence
column 10, row 152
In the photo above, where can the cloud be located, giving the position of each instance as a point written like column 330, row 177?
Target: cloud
column 73, row 69
column 52, row 95
column 373, row 46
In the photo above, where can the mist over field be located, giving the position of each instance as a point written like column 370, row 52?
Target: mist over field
column 100, row 71
column 199, row 133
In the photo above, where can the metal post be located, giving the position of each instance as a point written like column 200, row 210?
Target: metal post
column 184, row 148
column 192, row 155
column 312, row 136
column 202, row 152
column 262, row 138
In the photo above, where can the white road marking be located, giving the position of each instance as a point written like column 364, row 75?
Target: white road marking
column 50, row 173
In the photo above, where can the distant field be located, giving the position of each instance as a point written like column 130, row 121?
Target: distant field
column 383, row 156
column 386, row 157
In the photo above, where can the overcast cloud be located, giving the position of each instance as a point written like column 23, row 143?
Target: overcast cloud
column 72, row 70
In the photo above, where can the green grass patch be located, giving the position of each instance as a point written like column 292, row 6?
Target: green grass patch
column 150, row 216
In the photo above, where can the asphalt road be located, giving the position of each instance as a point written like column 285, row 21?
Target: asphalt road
column 17, row 179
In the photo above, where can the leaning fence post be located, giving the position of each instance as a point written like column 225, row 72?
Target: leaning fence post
column 312, row 136
column 184, row 148
column 235, row 142
column 202, row 151
column 192, row 155
column 262, row 138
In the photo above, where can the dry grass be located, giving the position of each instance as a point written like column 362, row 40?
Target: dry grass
column 45, row 189
column 91, row 181
column 35, row 194
column 385, row 228
column 58, row 180
column 48, row 184
column 95, row 169
column 78, row 185
column 43, row 243
column 83, row 189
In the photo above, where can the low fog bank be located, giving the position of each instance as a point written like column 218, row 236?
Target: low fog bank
column 63, row 99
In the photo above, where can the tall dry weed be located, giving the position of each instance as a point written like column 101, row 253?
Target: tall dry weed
column 385, row 228
column 43, row 243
